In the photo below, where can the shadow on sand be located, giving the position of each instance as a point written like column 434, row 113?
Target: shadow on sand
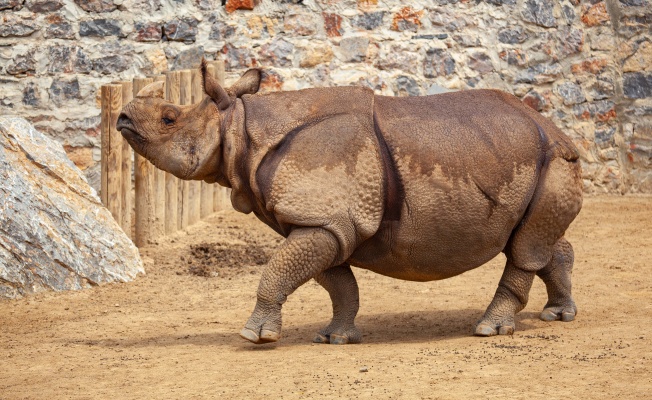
column 405, row 327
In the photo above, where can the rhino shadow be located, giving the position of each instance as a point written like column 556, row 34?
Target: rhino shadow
column 401, row 327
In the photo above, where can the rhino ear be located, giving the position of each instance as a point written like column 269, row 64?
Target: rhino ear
column 249, row 83
column 152, row 90
column 213, row 89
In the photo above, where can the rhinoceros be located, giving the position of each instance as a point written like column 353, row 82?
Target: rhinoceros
column 414, row 188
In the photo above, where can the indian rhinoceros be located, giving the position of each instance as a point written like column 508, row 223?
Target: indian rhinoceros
column 415, row 188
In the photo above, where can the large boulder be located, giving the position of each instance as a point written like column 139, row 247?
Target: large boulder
column 54, row 232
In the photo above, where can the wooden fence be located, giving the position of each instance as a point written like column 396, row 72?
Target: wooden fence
column 155, row 203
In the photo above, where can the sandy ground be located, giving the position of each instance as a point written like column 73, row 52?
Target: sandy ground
column 173, row 332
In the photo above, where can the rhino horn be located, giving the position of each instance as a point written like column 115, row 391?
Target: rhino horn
column 152, row 90
column 213, row 89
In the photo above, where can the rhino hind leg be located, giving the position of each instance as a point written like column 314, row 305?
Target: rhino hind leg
column 342, row 288
column 306, row 253
column 557, row 277
column 537, row 246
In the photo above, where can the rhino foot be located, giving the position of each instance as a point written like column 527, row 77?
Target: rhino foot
column 345, row 336
column 265, row 336
column 564, row 313
column 488, row 328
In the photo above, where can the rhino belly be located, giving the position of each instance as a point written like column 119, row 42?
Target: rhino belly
column 446, row 227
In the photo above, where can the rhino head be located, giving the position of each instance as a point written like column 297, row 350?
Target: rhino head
column 183, row 140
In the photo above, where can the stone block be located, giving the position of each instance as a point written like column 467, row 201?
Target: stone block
column 58, row 27
column 354, row 49
column 637, row 85
column 62, row 90
column 31, row 95
column 8, row 4
column 12, row 25
column 540, row 73
column 641, row 60
column 221, row 31
column 299, row 24
column 514, row 57
column 238, row 57
column 277, row 53
column 148, row 31
column 594, row 14
column 100, row 27
column 407, row 19
column 512, row 35
column 97, row 6
column 333, row 24
column 112, row 64
column 233, row 5
column 181, row 30
column 438, row 62
column 480, row 62
column 43, row 6
column 314, row 55
column 594, row 65
column 397, row 57
column 603, row 110
column 407, row 86
column 571, row 93
column 22, row 64
column 539, row 12
column 188, row 59
column 369, row 20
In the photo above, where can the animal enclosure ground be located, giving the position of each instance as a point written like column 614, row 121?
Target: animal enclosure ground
column 174, row 332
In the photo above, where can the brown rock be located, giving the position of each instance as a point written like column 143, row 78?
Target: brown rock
column 592, row 65
column 333, row 24
column 407, row 19
column 299, row 24
column 157, row 59
column 232, row 5
column 315, row 55
column 641, row 60
column 595, row 14
column 98, row 6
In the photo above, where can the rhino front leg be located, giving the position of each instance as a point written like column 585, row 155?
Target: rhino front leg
column 342, row 287
column 305, row 253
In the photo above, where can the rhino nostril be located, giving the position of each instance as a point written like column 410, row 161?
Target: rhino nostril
column 123, row 121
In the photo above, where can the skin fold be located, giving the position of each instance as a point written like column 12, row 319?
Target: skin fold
column 417, row 188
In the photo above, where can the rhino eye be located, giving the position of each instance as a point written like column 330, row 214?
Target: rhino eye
column 167, row 121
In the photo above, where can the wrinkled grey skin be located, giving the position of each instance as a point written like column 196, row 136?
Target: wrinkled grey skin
column 417, row 188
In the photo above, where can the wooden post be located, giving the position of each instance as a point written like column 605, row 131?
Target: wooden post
column 194, row 205
column 221, row 194
column 172, row 93
column 185, row 98
column 111, row 160
column 126, row 192
column 144, row 172
column 159, row 190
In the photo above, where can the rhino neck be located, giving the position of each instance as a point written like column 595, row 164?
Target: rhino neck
column 233, row 172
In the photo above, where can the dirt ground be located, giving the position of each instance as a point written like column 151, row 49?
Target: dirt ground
column 173, row 333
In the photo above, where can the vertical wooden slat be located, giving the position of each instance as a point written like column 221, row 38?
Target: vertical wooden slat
column 172, row 93
column 112, row 151
column 185, row 98
column 145, row 215
column 159, row 189
column 194, row 205
column 126, row 192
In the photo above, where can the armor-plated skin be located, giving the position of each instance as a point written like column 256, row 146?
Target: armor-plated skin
column 418, row 188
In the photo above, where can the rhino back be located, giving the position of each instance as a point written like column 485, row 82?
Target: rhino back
column 466, row 165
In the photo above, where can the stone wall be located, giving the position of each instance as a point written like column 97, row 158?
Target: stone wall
column 587, row 65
